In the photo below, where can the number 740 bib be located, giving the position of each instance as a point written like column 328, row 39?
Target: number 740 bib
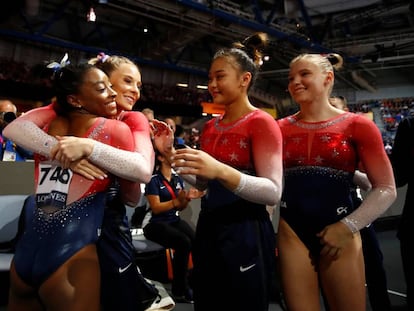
column 53, row 185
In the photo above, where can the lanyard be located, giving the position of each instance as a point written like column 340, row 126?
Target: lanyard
column 169, row 188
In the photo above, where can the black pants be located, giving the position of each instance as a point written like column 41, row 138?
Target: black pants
column 406, row 247
column 180, row 237
column 375, row 274
column 234, row 258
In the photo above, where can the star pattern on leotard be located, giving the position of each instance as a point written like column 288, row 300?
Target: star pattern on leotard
column 207, row 141
column 242, row 144
column 234, row 157
column 224, row 141
column 300, row 159
column 325, row 138
column 318, row 159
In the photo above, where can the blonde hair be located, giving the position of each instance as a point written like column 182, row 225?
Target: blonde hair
column 326, row 62
column 109, row 63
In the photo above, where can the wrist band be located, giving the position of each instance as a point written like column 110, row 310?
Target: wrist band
column 351, row 224
column 96, row 152
column 241, row 185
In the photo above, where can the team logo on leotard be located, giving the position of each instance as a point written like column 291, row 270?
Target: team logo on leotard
column 341, row 210
column 53, row 185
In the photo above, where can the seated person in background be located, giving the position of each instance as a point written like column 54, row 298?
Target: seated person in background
column 149, row 114
column 9, row 150
column 179, row 135
column 166, row 197
column 177, row 130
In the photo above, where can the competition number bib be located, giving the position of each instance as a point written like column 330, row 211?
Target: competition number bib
column 53, row 185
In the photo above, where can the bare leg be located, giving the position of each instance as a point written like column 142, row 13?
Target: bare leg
column 343, row 280
column 22, row 297
column 75, row 285
column 298, row 275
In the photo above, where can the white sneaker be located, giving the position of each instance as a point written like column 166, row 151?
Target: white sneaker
column 164, row 302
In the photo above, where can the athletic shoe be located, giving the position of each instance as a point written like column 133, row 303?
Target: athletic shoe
column 163, row 302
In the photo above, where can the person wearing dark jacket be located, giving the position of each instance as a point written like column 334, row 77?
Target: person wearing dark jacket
column 402, row 159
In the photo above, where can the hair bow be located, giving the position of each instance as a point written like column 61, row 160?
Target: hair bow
column 102, row 57
column 63, row 63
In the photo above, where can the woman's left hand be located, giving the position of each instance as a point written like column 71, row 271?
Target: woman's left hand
column 194, row 193
column 70, row 149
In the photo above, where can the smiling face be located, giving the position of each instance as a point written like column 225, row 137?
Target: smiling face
column 126, row 81
column 225, row 82
column 307, row 81
column 96, row 95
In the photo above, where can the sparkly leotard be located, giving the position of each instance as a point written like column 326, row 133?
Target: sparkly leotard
column 68, row 210
column 320, row 159
column 235, row 241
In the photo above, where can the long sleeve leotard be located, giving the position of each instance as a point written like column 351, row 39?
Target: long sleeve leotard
column 320, row 159
column 135, row 166
column 252, row 145
column 66, row 213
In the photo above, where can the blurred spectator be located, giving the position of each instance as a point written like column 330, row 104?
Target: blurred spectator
column 149, row 113
column 9, row 150
column 388, row 148
column 195, row 138
column 179, row 135
column 177, row 130
column 171, row 124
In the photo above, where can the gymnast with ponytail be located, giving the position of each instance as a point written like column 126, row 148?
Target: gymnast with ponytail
column 318, row 237
column 240, row 166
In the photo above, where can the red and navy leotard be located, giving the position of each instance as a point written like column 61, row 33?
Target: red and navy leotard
column 320, row 159
column 66, row 214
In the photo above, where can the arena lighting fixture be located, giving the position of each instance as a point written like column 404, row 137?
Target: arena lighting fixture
column 202, row 87
column 182, row 84
column 91, row 16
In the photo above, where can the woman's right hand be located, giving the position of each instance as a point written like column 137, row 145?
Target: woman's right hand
column 88, row 170
column 196, row 162
column 183, row 200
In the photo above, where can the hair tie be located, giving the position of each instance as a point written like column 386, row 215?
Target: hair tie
column 63, row 63
column 331, row 58
column 102, row 57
